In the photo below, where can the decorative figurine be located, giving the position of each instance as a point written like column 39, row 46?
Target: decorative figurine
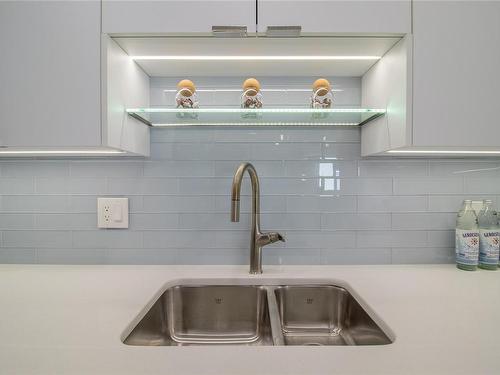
column 251, row 97
column 322, row 96
column 186, row 95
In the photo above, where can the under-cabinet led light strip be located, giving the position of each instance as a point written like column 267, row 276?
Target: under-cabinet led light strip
column 449, row 152
column 254, row 58
column 59, row 152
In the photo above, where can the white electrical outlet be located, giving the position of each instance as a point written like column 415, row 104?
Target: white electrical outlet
column 112, row 212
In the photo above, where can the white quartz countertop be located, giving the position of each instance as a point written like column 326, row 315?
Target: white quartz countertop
column 69, row 320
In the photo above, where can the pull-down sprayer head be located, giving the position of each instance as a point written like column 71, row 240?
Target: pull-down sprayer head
column 235, row 210
column 236, row 188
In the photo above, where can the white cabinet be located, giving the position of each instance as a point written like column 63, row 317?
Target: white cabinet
column 337, row 16
column 198, row 16
column 54, row 84
column 453, row 88
column 175, row 16
column 50, row 74
column 456, row 74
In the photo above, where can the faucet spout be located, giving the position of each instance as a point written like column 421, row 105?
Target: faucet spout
column 235, row 211
column 257, row 239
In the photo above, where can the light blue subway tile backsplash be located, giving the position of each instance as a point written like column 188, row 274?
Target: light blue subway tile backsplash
column 423, row 255
column 440, row 238
column 341, row 151
column 423, row 221
column 320, row 239
column 393, row 168
column 14, row 185
column 106, row 169
column 307, row 256
column 11, row 221
column 37, row 239
column 356, row 256
column 333, row 206
column 315, row 203
column 357, row 221
column 61, row 185
column 474, row 169
column 481, row 185
column 107, row 239
column 142, row 256
column 36, row 169
column 74, row 221
column 430, row 185
column 36, row 203
column 71, row 256
column 17, row 255
column 321, row 168
column 392, row 203
column 179, row 169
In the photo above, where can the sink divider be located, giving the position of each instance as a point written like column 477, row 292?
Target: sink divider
column 274, row 317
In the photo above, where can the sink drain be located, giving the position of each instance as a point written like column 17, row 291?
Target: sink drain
column 313, row 344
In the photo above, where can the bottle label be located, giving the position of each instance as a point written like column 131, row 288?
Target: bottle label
column 467, row 246
column 489, row 246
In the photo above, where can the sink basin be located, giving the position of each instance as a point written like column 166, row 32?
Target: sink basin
column 204, row 315
column 325, row 315
column 256, row 315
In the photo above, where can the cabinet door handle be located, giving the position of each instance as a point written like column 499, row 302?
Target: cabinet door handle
column 283, row 31
column 229, row 31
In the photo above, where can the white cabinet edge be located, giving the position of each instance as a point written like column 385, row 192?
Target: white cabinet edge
column 388, row 84
column 124, row 84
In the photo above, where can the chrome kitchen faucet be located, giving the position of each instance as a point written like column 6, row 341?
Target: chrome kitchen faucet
column 257, row 240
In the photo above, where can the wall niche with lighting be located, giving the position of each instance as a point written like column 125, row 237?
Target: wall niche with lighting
column 370, row 78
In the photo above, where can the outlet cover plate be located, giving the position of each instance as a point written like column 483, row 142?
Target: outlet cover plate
column 112, row 212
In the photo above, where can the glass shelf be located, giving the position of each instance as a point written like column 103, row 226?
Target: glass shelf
column 174, row 117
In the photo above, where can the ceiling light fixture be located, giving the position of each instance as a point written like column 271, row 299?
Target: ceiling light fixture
column 254, row 58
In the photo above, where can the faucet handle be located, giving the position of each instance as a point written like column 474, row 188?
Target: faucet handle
column 275, row 236
column 269, row 238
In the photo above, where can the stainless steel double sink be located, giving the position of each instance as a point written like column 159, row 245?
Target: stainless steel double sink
column 306, row 314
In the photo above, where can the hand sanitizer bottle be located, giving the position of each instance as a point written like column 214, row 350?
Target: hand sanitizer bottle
column 488, row 237
column 467, row 238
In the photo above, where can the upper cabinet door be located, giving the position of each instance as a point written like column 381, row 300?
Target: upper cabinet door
column 50, row 73
column 456, row 73
column 175, row 16
column 337, row 16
